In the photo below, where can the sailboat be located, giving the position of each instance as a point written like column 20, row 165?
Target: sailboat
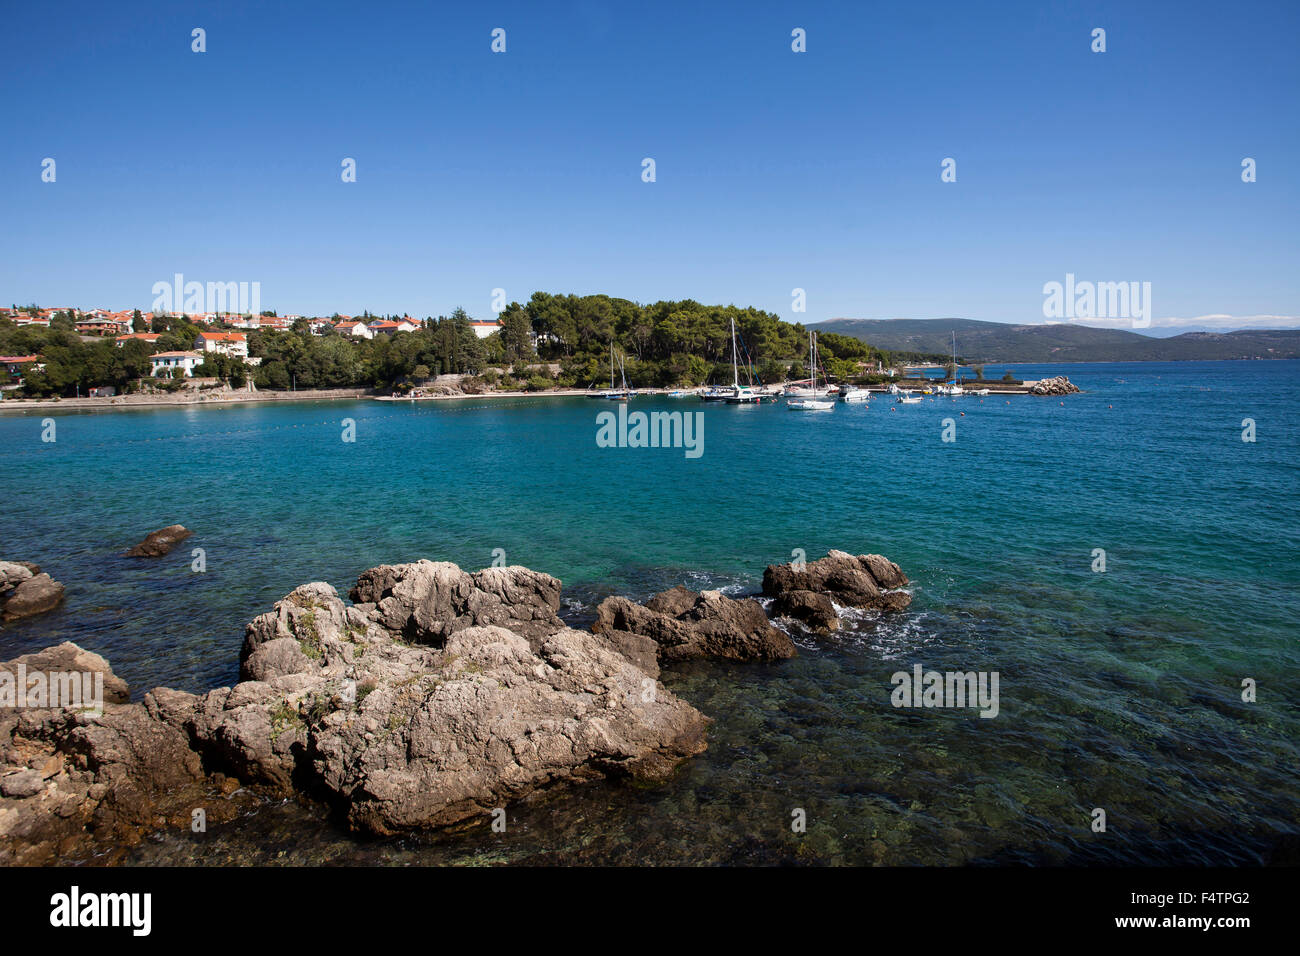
column 740, row 394
column 611, row 392
column 626, row 393
column 617, row 394
column 953, row 388
column 813, row 404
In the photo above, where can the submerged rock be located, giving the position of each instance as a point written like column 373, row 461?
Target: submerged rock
column 685, row 625
column 160, row 542
column 25, row 590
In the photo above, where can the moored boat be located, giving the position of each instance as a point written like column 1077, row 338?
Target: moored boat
column 812, row 404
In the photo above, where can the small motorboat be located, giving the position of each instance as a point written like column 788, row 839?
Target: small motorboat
column 853, row 395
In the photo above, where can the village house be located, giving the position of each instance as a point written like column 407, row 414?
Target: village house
column 484, row 327
column 16, row 365
column 102, row 325
column 388, row 327
column 165, row 363
column 231, row 343
column 355, row 329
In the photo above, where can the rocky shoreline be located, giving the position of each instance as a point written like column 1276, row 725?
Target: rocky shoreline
column 433, row 699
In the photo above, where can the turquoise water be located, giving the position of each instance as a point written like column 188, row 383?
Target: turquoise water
column 1119, row 690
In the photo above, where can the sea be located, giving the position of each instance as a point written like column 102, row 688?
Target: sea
column 1127, row 560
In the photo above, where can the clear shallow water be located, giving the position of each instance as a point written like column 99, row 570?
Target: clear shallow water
column 1118, row 690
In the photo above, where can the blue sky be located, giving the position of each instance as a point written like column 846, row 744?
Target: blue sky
column 775, row 170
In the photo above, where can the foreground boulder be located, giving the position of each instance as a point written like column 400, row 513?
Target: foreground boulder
column 25, row 590
column 160, row 542
column 1060, row 385
column 406, row 713
column 685, row 625
column 863, row 581
column 415, row 709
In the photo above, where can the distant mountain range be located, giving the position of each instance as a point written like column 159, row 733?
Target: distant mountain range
column 991, row 342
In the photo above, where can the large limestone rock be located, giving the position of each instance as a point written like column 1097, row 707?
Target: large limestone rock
column 685, row 625
column 864, row 581
column 353, row 703
column 160, row 542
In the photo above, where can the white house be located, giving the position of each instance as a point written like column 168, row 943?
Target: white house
column 484, row 327
column 388, row 326
column 164, row 363
column 354, row 328
column 231, row 343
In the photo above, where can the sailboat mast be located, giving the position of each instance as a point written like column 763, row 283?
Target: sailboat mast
column 735, row 368
column 812, row 359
